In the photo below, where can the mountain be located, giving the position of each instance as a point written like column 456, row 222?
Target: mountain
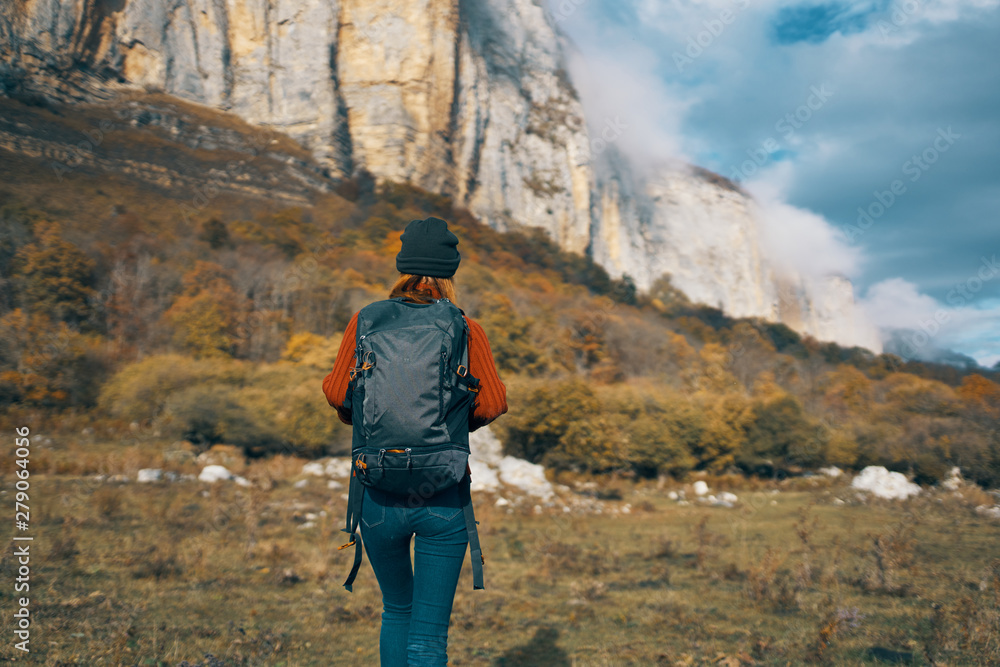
column 471, row 99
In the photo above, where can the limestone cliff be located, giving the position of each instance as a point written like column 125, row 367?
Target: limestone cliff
column 464, row 97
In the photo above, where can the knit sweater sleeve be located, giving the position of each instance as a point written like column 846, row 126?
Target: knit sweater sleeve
column 491, row 402
column 335, row 383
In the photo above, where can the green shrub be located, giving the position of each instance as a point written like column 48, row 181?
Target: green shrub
column 309, row 425
column 779, row 432
column 511, row 339
column 139, row 391
column 592, row 443
column 659, row 443
column 263, row 408
column 207, row 414
column 540, row 417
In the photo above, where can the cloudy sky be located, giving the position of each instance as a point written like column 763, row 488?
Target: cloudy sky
column 821, row 109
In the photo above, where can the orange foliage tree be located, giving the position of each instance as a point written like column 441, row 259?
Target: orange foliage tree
column 206, row 314
column 54, row 277
column 981, row 395
column 46, row 363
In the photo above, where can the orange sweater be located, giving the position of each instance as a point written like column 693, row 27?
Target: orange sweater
column 491, row 401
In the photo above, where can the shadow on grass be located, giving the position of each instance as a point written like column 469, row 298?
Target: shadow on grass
column 541, row 650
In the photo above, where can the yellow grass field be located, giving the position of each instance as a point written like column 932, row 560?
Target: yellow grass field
column 190, row 573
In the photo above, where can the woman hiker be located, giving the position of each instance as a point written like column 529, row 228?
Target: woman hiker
column 417, row 600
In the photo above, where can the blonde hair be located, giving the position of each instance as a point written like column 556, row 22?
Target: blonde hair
column 420, row 289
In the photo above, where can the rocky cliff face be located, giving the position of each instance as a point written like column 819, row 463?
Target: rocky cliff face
column 464, row 97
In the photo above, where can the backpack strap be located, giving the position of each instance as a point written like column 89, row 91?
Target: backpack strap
column 475, row 549
column 355, row 498
column 465, row 378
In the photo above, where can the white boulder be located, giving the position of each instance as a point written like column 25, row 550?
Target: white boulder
column 528, row 477
column 484, row 460
column 885, row 484
column 313, row 468
column 700, row 488
column 832, row 471
column 989, row 512
column 338, row 466
column 484, row 478
column 954, row 480
column 485, row 447
column 149, row 475
column 215, row 473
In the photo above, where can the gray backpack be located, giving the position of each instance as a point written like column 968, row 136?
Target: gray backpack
column 410, row 396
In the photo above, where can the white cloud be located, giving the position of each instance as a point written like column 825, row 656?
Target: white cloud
column 797, row 239
column 620, row 89
column 897, row 304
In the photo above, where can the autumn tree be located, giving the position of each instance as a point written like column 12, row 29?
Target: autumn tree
column 592, row 442
column 848, row 391
column 46, row 363
column 215, row 234
column 749, row 353
column 666, row 298
column 15, row 233
column 663, row 434
column 541, row 416
column 205, row 316
column 54, row 277
column 905, row 393
column 723, row 434
column 585, row 339
column 779, row 433
column 510, row 336
column 982, row 396
column 715, row 364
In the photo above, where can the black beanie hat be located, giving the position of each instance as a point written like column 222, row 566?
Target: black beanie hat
column 428, row 249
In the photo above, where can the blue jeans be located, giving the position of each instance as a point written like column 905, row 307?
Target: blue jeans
column 417, row 601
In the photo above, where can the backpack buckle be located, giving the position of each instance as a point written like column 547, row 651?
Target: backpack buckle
column 365, row 363
column 471, row 383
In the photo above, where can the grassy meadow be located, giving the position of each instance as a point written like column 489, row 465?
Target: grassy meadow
column 190, row 573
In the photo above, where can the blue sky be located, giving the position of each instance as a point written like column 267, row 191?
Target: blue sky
column 821, row 109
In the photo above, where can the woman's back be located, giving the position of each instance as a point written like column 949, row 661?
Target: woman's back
column 410, row 451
